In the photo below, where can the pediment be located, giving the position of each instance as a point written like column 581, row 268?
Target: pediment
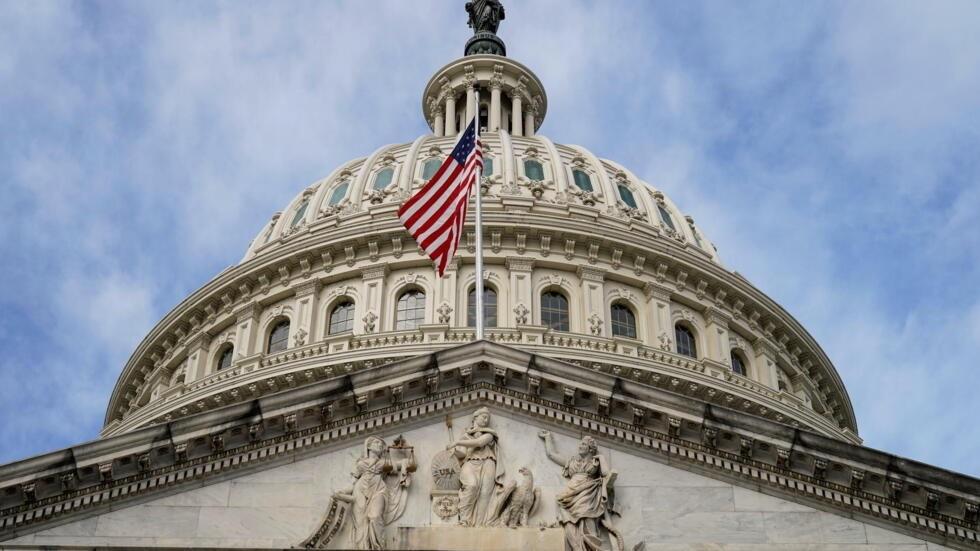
column 280, row 506
column 262, row 474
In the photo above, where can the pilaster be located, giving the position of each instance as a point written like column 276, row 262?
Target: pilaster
column 197, row 357
column 593, row 311
column 306, row 305
column 717, row 327
column 765, row 358
column 445, row 294
column 374, row 288
column 661, row 331
column 247, row 319
column 519, row 270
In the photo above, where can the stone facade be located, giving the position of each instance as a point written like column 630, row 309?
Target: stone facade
column 664, row 507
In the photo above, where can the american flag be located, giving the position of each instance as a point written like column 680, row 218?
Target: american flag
column 434, row 216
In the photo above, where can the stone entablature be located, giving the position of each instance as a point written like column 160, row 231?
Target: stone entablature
column 658, row 279
column 800, row 466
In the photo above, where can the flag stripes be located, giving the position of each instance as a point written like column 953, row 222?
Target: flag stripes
column 435, row 214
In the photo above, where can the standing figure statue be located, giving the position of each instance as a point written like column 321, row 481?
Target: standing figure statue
column 485, row 15
column 481, row 473
column 371, row 502
column 586, row 503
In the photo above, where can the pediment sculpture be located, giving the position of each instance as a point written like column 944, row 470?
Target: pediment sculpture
column 373, row 501
column 586, row 504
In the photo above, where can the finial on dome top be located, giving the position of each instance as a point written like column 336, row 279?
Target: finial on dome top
column 485, row 18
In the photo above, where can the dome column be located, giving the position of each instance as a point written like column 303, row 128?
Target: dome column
column 659, row 330
column 306, row 302
column 470, row 104
column 439, row 122
column 373, row 279
column 765, row 364
column 529, row 122
column 516, row 114
column 593, row 300
column 450, row 115
column 197, row 358
column 496, row 83
column 444, row 290
column 247, row 318
column 519, row 269
column 719, row 349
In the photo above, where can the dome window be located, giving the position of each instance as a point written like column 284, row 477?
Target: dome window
column 487, row 166
column 533, row 170
column 738, row 366
column 665, row 216
column 627, row 196
column 338, row 194
column 410, row 312
column 342, row 318
column 582, row 180
column 225, row 358
column 489, row 308
column 300, row 213
column 554, row 311
column 685, row 341
column 429, row 168
column 623, row 321
column 279, row 337
column 383, row 179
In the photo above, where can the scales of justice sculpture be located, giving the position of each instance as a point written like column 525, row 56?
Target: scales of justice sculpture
column 469, row 486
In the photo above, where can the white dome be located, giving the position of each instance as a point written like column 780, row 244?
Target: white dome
column 585, row 263
column 390, row 174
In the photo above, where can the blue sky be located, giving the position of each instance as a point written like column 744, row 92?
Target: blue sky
column 830, row 150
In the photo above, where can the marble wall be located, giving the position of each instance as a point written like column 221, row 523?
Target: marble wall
column 664, row 507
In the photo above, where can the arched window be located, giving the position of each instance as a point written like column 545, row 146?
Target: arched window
column 342, row 318
column 685, row 341
column 430, row 167
column 224, row 359
column 279, row 337
column 627, row 196
column 338, row 193
column 623, row 321
column 488, row 166
column 410, row 312
column 665, row 216
column 582, row 180
column 533, row 170
column 489, row 308
column 300, row 213
column 383, row 179
column 554, row 311
column 738, row 366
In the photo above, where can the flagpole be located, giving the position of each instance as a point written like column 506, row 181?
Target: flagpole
column 479, row 231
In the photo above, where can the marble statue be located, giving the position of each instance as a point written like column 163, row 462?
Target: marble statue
column 481, row 473
column 586, row 503
column 371, row 502
column 485, row 15
column 516, row 502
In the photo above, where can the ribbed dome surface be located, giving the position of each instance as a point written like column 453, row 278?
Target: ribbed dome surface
column 569, row 176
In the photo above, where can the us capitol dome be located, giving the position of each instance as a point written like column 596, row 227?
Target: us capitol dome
column 699, row 413
column 585, row 262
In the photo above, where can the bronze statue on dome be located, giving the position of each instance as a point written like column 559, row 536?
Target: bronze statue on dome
column 485, row 15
